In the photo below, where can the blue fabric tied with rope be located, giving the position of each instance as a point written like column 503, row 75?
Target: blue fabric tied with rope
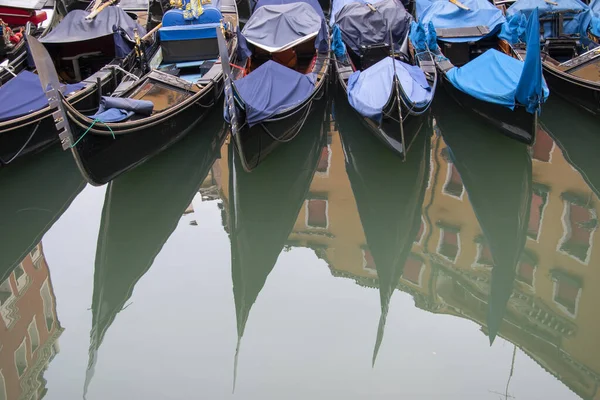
column 418, row 36
column 117, row 109
column 337, row 44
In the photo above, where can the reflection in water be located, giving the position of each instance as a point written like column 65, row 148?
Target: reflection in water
column 141, row 210
column 35, row 193
column 263, row 206
column 389, row 196
column 496, row 174
column 29, row 327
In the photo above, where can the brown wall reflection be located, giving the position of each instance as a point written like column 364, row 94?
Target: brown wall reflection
column 551, row 315
column 29, row 328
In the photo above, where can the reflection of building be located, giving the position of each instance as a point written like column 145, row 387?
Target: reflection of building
column 550, row 315
column 29, row 328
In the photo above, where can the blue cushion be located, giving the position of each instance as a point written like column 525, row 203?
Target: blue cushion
column 188, row 32
column 210, row 15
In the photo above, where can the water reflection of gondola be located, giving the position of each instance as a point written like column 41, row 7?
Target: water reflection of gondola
column 497, row 175
column 141, row 210
column 264, row 205
column 35, row 193
column 575, row 136
column 389, row 195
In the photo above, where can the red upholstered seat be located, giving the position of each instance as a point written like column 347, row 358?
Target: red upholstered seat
column 19, row 17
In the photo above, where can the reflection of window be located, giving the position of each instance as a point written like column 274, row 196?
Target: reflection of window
column 542, row 148
column 3, row 395
column 21, row 358
column 579, row 222
column 48, row 305
column 368, row 262
column 453, row 185
column 324, row 161
column 34, row 335
column 36, row 256
column 538, row 203
column 21, row 277
column 484, row 254
column 316, row 213
column 421, row 232
column 449, row 243
column 413, row 270
column 567, row 291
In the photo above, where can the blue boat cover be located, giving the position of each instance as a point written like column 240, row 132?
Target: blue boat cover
column 313, row 3
column 116, row 109
column 531, row 91
column 370, row 90
column 445, row 14
column 595, row 22
column 362, row 27
column 418, row 37
column 577, row 18
column 277, row 27
column 493, row 77
column 272, row 88
column 176, row 17
column 23, row 95
column 337, row 44
column 75, row 28
column 338, row 5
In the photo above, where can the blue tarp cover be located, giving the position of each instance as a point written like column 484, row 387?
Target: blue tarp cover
column 577, row 25
column 313, row 3
column 188, row 32
column 75, row 28
column 361, row 26
column 116, row 109
column 272, row 88
column 23, row 95
column 370, row 90
column 338, row 5
column 492, row 77
column 418, row 37
column 445, row 14
column 595, row 22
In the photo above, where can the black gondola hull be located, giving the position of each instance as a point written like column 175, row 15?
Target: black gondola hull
column 517, row 124
column 583, row 94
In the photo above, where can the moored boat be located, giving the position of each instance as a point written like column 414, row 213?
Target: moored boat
column 282, row 68
column 497, row 175
column 26, row 120
column 388, row 78
column 481, row 71
column 389, row 196
column 569, row 45
column 144, row 116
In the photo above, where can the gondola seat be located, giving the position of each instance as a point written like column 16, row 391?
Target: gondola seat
column 189, row 42
column 175, row 17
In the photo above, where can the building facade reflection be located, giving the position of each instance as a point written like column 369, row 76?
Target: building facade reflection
column 29, row 328
column 550, row 315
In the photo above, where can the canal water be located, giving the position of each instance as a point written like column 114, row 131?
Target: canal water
column 333, row 271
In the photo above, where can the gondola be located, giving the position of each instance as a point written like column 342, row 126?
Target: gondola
column 263, row 207
column 570, row 53
column 497, row 175
column 35, row 193
column 282, row 68
column 16, row 20
column 145, row 116
column 389, row 195
column 387, row 85
column 480, row 70
column 141, row 210
column 26, row 116
column 576, row 136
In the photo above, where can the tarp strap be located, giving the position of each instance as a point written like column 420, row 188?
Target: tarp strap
column 90, row 127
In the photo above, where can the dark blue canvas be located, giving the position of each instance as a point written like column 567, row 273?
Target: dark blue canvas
column 23, row 95
column 116, row 109
column 272, row 88
column 75, row 28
